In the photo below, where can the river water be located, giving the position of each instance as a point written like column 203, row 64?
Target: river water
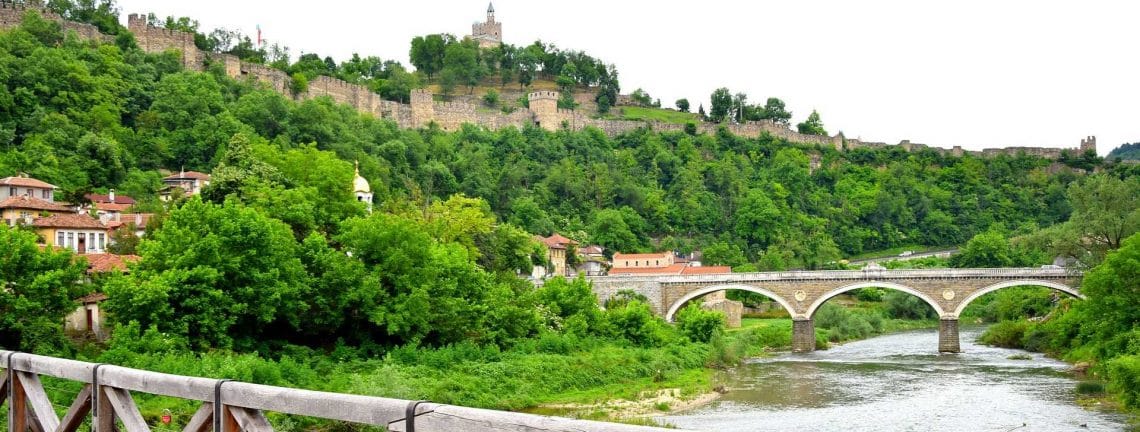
column 899, row 382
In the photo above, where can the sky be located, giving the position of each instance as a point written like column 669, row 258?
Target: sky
column 978, row 74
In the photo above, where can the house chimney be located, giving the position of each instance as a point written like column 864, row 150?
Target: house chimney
column 111, row 196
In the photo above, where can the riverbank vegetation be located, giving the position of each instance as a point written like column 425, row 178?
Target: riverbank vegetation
column 1101, row 331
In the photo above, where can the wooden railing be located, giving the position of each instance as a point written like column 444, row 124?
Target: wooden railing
column 232, row 406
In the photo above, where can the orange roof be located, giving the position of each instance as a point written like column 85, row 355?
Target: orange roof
column 112, row 207
column 139, row 219
column 106, row 198
column 706, row 270
column 591, row 250
column 26, row 182
column 69, row 221
column 105, row 262
column 620, row 255
column 674, row 269
column 557, row 241
column 195, row 175
column 31, row 203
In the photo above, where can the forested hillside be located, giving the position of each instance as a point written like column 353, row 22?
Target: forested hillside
column 88, row 117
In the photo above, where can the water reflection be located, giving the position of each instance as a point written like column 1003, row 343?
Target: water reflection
column 899, row 382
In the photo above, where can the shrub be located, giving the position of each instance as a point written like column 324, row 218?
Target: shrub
column 869, row 294
column 906, row 306
column 1008, row 334
column 699, row 324
column 491, row 98
column 1124, row 378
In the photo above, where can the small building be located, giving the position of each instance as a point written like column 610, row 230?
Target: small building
column 667, row 264
column 88, row 319
column 650, row 260
column 22, row 185
column 137, row 221
column 556, row 249
column 79, row 233
column 25, row 209
column 592, row 260
column 361, row 189
column 187, row 182
column 109, row 206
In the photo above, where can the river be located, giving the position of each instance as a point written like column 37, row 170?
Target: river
column 899, row 382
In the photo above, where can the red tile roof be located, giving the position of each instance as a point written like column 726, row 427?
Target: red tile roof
column 188, row 175
column 674, row 269
column 26, row 202
column 112, row 207
column 139, row 219
column 557, row 241
column 661, row 255
column 105, row 262
column 26, row 182
column 69, row 221
column 106, row 198
column 592, row 250
column 706, row 270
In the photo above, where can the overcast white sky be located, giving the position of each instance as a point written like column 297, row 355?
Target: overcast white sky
column 965, row 72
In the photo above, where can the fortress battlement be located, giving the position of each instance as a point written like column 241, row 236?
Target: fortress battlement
column 423, row 110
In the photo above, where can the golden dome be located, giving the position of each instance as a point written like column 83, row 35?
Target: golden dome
column 359, row 184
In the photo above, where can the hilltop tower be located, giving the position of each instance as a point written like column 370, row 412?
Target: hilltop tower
column 489, row 34
column 1088, row 144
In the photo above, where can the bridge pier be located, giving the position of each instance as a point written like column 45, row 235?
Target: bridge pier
column 948, row 336
column 803, row 335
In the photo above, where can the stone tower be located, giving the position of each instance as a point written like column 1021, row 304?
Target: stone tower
column 544, row 105
column 1088, row 144
column 423, row 109
column 489, row 34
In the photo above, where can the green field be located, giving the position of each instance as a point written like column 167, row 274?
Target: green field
column 658, row 114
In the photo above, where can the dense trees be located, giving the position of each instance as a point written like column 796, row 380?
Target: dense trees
column 39, row 289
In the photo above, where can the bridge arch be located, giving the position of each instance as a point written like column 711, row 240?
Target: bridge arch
column 1008, row 284
column 676, row 306
column 889, row 285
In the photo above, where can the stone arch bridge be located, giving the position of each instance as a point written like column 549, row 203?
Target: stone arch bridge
column 801, row 293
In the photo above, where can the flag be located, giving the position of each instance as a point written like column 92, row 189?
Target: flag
column 259, row 35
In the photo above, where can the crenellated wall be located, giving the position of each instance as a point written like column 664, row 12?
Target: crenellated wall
column 424, row 111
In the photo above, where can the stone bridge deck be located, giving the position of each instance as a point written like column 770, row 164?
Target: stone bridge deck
column 801, row 293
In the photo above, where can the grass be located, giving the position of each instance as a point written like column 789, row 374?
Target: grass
column 658, row 114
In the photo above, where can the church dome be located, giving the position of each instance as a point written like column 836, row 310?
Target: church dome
column 359, row 184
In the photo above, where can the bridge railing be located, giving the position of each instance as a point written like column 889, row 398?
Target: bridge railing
column 234, row 406
column 858, row 274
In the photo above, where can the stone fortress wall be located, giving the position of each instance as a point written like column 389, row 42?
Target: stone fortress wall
column 424, row 111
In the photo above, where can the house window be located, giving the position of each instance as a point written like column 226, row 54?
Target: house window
column 59, row 238
column 11, row 191
column 71, row 240
column 636, row 263
column 102, row 241
column 46, row 194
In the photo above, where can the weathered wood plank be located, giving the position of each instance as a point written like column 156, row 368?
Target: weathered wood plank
column 45, row 415
column 199, row 389
column 126, row 409
column 453, row 418
column 202, row 420
column 3, row 386
column 77, row 412
column 334, row 406
column 106, row 420
column 34, row 423
column 18, row 411
column 72, row 370
column 229, row 423
column 250, row 420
